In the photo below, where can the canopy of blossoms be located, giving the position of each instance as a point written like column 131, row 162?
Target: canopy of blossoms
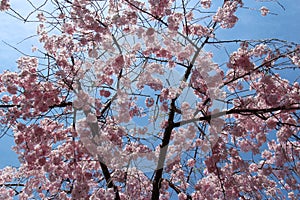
column 124, row 102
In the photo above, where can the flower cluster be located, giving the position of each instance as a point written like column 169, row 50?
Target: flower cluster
column 174, row 21
column 225, row 15
column 4, row 5
column 205, row 3
column 160, row 8
column 146, row 78
column 198, row 30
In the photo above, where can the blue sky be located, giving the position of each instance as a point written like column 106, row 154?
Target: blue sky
column 284, row 24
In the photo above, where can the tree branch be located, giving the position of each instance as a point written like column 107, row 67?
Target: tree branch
column 250, row 111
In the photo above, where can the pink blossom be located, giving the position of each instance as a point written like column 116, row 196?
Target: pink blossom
column 147, row 79
column 164, row 106
column 197, row 30
column 105, row 93
column 182, row 196
column 150, row 32
column 149, row 102
column 119, row 62
column 253, row 167
column 225, row 15
column 206, row 3
column 266, row 154
column 155, row 68
column 260, row 50
column 6, row 98
column 6, row 193
column 191, row 163
column 264, row 11
column 41, row 17
column 159, row 8
column 174, row 21
column 271, row 123
column 5, row 5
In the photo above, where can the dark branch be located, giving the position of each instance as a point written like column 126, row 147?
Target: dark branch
column 250, row 111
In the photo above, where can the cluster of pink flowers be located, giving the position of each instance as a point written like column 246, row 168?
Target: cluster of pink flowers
column 198, row 30
column 241, row 60
column 274, row 92
column 205, row 3
column 160, row 8
column 127, row 17
column 31, row 95
column 9, row 80
column 225, row 15
column 174, row 21
column 4, row 5
column 147, row 78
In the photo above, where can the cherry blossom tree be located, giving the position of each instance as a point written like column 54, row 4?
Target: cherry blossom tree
column 123, row 101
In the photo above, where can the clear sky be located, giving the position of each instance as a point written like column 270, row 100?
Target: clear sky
column 283, row 24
